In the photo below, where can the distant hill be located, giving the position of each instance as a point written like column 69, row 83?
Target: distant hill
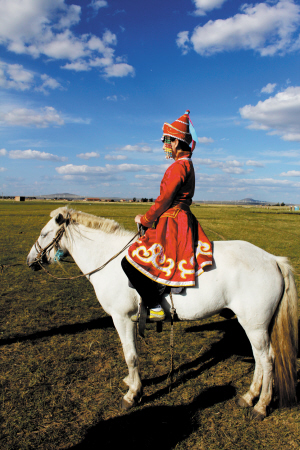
column 64, row 195
column 68, row 196
column 250, row 200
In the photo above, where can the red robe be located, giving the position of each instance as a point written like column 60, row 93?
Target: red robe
column 177, row 249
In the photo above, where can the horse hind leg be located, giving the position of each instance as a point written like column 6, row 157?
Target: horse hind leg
column 247, row 399
column 261, row 385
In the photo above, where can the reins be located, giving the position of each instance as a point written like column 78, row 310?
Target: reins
column 55, row 241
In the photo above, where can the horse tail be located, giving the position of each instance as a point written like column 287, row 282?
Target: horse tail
column 284, row 337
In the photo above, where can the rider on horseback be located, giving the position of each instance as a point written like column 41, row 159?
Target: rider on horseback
column 174, row 249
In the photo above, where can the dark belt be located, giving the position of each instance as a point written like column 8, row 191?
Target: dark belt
column 182, row 206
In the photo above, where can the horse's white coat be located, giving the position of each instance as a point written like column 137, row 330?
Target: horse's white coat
column 243, row 278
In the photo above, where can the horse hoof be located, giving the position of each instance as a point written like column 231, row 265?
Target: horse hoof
column 242, row 403
column 257, row 415
column 127, row 405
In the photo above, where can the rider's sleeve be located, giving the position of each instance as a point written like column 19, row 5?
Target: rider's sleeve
column 173, row 179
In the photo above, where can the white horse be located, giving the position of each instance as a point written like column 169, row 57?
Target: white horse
column 257, row 286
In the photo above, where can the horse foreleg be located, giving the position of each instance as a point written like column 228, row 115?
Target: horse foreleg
column 126, row 331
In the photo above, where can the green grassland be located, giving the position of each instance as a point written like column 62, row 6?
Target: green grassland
column 62, row 365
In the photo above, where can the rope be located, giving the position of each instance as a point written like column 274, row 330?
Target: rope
column 4, row 266
column 93, row 271
column 172, row 311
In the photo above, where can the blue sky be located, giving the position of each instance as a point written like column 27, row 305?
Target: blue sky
column 85, row 88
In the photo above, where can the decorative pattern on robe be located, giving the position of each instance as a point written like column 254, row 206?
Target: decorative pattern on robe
column 176, row 251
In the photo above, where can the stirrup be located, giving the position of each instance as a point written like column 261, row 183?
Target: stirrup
column 152, row 316
column 156, row 316
column 135, row 318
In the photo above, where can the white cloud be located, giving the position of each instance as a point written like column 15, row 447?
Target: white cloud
column 115, row 98
column 115, row 157
column 267, row 29
column 283, row 153
column 71, row 169
column 205, row 140
column 182, row 41
column 292, row 137
column 251, row 185
column 97, row 4
column 14, row 76
column 152, row 177
column 88, row 155
column 27, row 117
column 72, row 119
column 235, row 170
column 43, row 28
column 254, row 163
column 3, row 152
column 26, row 26
column 78, row 66
column 112, row 98
column 2, row 169
column 110, row 170
column 34, row 154
column 119, row 70
column 137, row 148
column 233, row 166
column 48, row 83
column 269, row 88
column 291, row 173
column 207, row 5
column 279, row 114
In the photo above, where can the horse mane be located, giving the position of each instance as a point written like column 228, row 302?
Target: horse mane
column 90, row 221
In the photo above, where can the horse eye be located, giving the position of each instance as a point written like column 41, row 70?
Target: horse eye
column 44, row 234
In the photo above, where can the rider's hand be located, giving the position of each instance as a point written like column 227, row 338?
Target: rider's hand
column 138, row 218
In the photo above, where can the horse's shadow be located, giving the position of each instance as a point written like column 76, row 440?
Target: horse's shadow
column 233, row 342
column 153, row 427
column 162, row 427
column 69, row 329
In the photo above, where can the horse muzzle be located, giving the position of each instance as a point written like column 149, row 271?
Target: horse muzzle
column 35, row 264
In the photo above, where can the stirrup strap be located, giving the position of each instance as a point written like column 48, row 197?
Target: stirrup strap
column 142, row 315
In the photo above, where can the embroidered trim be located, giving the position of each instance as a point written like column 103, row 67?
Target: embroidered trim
column 157, row 279
column 201, row 270
column 145, row 218
column 203, row 248
column 156, row 256
column 184, row 271
column 180, row 131
column 180, row 121
column 172, row 212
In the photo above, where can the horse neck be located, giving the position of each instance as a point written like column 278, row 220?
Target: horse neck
column 90, row 248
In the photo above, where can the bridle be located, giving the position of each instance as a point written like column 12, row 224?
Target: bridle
column 44, row 252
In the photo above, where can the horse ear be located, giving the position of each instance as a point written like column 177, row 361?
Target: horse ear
column 59, row 219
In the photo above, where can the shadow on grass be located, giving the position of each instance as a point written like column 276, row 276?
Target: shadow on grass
column 74, row 328
column 233, row 342
column 153, row 427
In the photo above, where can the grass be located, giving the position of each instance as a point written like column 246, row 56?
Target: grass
column 62, row 364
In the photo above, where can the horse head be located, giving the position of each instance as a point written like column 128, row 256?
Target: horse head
column 47, row 248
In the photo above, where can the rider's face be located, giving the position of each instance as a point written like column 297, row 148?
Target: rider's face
column 174, row 148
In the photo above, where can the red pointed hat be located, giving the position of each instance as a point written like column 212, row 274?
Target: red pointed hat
column 180, row 129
